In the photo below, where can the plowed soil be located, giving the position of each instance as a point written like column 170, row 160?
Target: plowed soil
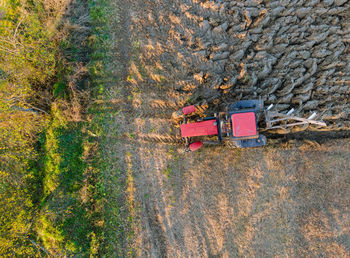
column 289, row 198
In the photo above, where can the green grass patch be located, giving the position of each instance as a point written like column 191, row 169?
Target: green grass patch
column 60, row 201
column 65, row 224
column 115, row 234
column 167, row 172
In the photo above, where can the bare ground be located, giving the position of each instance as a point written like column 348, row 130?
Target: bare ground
column 289, row 198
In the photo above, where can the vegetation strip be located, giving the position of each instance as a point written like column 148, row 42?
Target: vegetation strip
column 53, row 194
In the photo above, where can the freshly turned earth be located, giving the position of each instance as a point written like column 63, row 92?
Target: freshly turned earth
column 291, row 53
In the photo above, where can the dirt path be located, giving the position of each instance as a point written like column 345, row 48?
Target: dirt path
column 290, row 199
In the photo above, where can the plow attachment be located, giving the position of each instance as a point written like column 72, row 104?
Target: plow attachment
column 277, row 120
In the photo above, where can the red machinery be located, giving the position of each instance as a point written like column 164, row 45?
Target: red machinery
column 238, row 125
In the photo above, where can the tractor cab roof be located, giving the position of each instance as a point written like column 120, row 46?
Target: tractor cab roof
column 243, row 124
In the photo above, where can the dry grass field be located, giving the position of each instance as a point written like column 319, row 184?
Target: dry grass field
column 290, row 198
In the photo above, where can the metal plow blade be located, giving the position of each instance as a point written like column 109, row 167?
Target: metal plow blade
column 277, row 120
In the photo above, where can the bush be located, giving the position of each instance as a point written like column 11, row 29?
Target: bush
column 28, row 65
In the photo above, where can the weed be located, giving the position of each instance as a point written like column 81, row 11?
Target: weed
column 100, row 88
column 167, row 172
column 238, row 152
column 136, row 45
column 59, row 90
column 130, row 78
column 162, row 79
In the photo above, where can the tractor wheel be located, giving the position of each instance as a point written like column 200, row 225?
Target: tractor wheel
column 195, row 145
column 189, row 109
column 193, row 110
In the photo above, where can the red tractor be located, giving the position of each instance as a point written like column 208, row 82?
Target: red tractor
column 238, row 125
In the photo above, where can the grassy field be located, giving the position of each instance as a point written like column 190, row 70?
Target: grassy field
column 62, row 180
column 75, row 217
